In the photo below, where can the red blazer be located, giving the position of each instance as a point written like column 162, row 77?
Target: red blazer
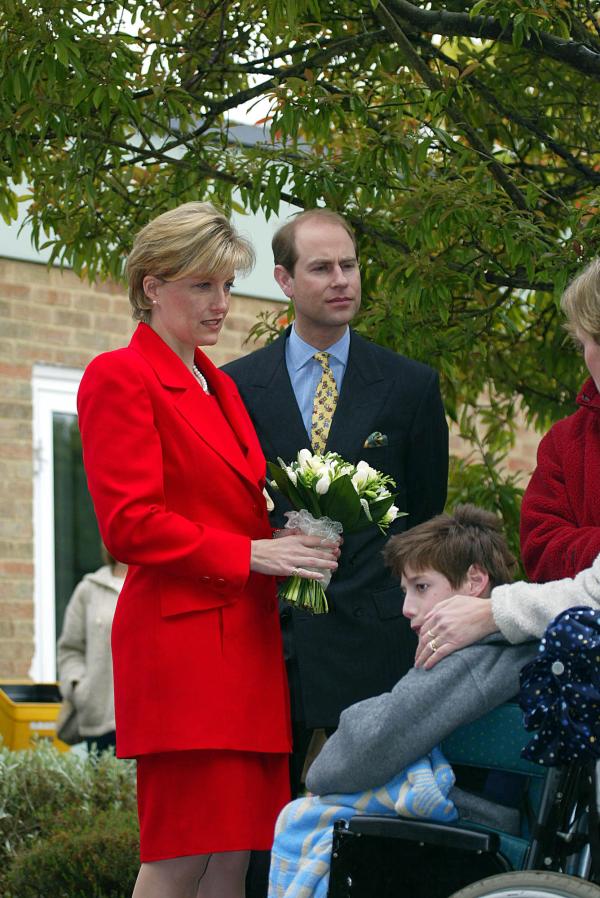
column 560, row 514
column 178, row 495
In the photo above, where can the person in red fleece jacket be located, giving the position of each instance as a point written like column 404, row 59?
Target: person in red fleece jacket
column 560, row 515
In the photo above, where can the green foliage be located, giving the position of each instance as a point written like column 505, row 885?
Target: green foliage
column 459, row 138
column 45, row 793
column 485, row 484
column 269, row 325
column 89, row 857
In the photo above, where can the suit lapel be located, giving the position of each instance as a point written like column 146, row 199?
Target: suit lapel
column 197, row 408
column 274, row 408
column 364, row 391
column 236, row 416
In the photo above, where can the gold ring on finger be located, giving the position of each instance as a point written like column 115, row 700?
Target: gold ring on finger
column 433, row 646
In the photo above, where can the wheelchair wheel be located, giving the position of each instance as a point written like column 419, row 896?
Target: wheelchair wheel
column 530, row 884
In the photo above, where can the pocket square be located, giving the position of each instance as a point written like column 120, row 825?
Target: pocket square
column 375, row 439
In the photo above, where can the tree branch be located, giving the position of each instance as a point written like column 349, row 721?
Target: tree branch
column 528, row 123
column 415, row 62
column 433, row 21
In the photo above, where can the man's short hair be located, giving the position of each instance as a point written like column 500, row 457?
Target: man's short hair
column 451, row 543
column 284, row 239
column 581, row 302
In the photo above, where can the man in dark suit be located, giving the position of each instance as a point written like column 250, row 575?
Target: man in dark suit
column 390, row 414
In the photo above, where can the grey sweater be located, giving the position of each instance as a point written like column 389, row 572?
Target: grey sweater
column 378, row 737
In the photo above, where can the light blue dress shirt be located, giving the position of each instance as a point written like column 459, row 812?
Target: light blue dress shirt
column 305, row 372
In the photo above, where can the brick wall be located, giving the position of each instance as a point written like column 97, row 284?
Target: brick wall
column 52, row 317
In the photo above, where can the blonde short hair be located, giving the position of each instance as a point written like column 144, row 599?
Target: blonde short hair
column 581, row 302
column 194, row 238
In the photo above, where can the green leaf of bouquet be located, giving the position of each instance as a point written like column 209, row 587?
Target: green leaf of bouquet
column 285, row 485
column 380, row 507
column 310, row 500
column 361, row 523
column 341, row 503
column 298, row 495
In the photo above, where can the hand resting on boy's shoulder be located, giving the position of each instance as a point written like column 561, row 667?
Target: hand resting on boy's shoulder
column 378, row 737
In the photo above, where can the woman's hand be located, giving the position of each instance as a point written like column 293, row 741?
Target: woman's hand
column 453, row 624
column 294, row 553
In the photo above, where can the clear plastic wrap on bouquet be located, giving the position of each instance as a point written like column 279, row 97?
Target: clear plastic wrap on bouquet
column 298, row 591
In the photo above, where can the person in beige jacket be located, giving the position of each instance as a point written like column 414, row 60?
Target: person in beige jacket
column 84, row 654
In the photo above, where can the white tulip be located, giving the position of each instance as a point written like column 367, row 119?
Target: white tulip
column 366, row 469
column 304, row 457
column 359, row 480
column 390, row 515
column 322, row 485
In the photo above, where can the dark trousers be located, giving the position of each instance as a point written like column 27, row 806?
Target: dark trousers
column 101, row 743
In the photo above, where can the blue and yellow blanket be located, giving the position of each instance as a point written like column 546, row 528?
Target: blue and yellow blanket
column 304, row 831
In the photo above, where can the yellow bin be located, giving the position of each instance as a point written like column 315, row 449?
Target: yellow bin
column 28, row 712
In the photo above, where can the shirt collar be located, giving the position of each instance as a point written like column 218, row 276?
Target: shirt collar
column 300, row 352
column 589, row 395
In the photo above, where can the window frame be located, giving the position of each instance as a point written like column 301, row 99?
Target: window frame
column 54, row 390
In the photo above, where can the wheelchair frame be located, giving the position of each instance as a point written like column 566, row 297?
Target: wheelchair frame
column 387, row 857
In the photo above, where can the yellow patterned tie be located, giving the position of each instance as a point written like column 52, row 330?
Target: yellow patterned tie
column 326, row 397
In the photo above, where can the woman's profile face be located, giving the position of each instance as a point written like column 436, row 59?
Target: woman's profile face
column 591, row 354
column 189, row 311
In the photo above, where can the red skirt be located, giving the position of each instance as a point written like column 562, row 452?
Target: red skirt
column 205, row 801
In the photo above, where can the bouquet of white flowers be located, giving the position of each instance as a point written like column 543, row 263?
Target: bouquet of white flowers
column 330, row 496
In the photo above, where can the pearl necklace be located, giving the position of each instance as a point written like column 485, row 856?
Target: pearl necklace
column 200, row 378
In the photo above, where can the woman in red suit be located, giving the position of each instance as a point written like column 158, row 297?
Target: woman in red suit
column 177, row 476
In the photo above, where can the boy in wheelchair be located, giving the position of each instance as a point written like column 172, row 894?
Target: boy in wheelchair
column 376, row 756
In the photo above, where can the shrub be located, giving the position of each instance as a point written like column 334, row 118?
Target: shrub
column 44, row 792
column 97, row 860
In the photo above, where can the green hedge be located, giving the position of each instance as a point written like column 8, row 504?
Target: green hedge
column 93, row 859
column 68, row 825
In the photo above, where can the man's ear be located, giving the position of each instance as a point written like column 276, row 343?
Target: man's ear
column 285, row 280
column 477, row 581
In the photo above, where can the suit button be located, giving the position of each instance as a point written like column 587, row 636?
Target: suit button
column 220, row 583
column 205, row 579
column 358, row 612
